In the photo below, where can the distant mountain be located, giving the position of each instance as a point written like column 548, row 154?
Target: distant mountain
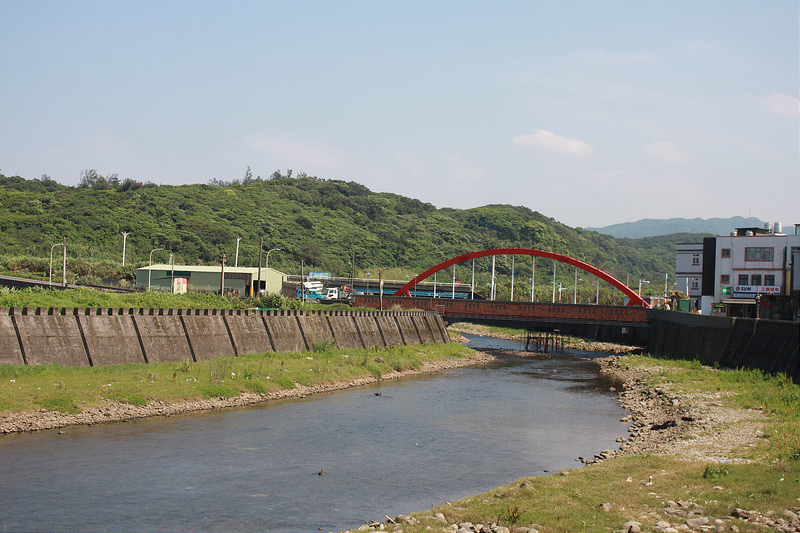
column 649, row 227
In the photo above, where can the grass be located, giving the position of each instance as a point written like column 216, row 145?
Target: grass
column 744, row 388
column 573, row 500
column 69, row 389
column 38, row 297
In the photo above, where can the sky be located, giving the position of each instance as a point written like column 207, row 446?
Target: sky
column 589, row 112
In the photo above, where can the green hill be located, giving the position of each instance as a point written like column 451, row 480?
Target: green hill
column 319, row 222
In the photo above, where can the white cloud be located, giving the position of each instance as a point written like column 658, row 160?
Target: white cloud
column 308, row 154
column 666, row 152
column 782, row 104
column 549, row 141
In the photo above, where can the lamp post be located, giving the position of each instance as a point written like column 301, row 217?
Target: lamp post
column 124, row 239
column 641, row 281
column 150, row 269
column 575, row 290
column 266, row 281
column 236, row 260
column 380, row 287
column 64, row 244
column 561, row 287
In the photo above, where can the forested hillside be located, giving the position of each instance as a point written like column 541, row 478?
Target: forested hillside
column 317, row 221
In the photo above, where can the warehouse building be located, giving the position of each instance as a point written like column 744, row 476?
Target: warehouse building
column 243, row 281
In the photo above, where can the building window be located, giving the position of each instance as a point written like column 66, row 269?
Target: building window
column 759, row 254
column 744, row 279
column 695, row 259
column 726, row 252
column 724, row 279
column 769, row 280
column 755, row 279
column 695, row 284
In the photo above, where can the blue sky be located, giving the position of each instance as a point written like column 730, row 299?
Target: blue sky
column 590, row 112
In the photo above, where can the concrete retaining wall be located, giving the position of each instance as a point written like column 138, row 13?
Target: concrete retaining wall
column 89, row 337
column 769, row 345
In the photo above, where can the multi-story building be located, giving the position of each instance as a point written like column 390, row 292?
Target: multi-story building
column 689, row 269
column 752, row 272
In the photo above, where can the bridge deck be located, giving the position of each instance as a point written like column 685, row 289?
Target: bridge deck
column 515, row 311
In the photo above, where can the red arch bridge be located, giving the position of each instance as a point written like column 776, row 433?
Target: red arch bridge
column 601, row 322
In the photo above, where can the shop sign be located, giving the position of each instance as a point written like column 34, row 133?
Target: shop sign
column 744, row 291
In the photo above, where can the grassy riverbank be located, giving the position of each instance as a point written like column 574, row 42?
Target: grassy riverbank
column 744, row 455
column 37, row 297
column 72, row 389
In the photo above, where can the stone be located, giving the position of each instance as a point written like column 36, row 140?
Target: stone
column 790, row 515
column 695, row 522
column 501, row 529
column 663, row 524
column 606, row 506
column 406, row 519
column 632, row 527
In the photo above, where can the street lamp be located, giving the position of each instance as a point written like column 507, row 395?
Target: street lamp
column 64, row 244
column 641, row 281
column 150, row 270
column 236, row 262
column 560, row 287
column 266, row 281
column 124, row 239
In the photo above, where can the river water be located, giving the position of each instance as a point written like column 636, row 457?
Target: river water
column 422, row 441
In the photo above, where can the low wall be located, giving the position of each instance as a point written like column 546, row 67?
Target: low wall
column 90, row 337
column 770, row 345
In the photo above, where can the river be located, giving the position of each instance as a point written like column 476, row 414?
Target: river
column 422, row 441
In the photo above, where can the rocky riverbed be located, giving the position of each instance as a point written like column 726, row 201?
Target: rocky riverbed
column 42, row 419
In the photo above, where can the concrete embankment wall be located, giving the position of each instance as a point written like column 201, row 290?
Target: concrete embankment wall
column 769, row 345
column 99, row 336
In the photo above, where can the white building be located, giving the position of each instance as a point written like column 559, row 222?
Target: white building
column 689, row 269
column 747, row 270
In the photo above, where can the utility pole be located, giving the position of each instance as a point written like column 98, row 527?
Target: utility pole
column 64, row 265
column 236, row 262
column 352, row 270
column 533, row 275
column 512, row 278
column 124, row 239
column 222, row 277
column 260, row 251
column 380, row 287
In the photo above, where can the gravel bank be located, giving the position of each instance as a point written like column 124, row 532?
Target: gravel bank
column 18, row 422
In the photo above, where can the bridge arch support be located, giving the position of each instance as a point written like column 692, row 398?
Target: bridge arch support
column 635, row 299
